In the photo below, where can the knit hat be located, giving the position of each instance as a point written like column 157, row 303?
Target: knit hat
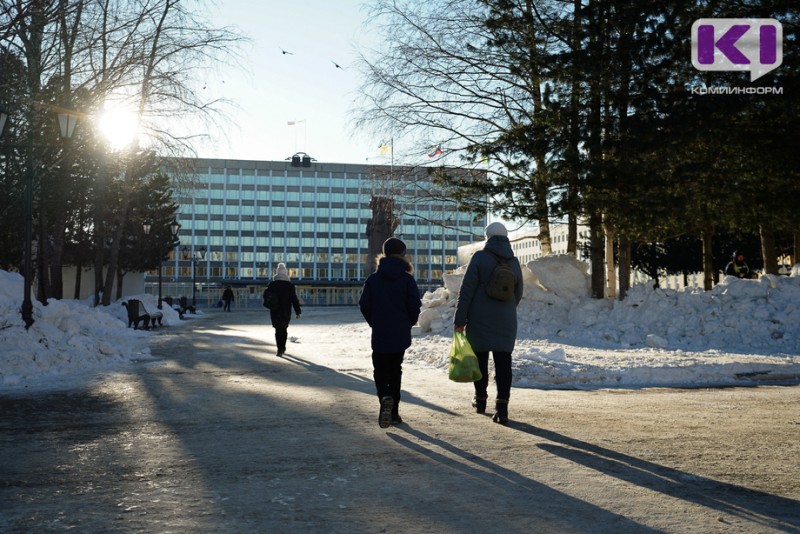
column 281, row 270
column 393, row 247
column 496, row 228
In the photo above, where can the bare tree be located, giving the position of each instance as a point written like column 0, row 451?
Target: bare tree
column 443, row 77
column 149, row 56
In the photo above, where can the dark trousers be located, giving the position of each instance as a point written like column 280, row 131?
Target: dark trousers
column 502, row 374
column 227, row 306
column 388, row 373
column 281, row 334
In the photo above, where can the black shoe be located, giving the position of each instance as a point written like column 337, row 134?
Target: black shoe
column 385, row 415
column 479, row 403
column 501, row 411
column 396, row 419
column 281, row 353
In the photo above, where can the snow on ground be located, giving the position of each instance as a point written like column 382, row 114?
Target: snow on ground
column 743, row 332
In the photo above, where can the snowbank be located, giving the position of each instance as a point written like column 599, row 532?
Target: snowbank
column 750, row 316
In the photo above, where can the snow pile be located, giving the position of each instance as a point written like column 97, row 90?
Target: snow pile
column 67, row 337
column 743, row 332
column 750, row 316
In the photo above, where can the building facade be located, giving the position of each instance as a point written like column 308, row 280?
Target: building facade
column 239, row 219
column 528, row 247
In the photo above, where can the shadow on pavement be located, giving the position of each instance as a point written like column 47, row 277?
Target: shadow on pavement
column 758, row 507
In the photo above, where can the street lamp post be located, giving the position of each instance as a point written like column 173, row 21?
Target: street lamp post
column 201, row 253
column 174, row 226
column 66, row 120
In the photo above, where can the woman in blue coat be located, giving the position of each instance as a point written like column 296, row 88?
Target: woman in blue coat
column 390, row 303
column 490, row 324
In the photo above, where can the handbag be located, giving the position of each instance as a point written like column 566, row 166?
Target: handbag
column 463, row 362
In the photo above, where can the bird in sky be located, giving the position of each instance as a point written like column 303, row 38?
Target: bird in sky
column 285, row 52
column 336, row 65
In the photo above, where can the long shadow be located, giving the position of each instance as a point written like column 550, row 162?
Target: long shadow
column 761, row 508
column 261, row 359
column 243, row 392
column 518, row 492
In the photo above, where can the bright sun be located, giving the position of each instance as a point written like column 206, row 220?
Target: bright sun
column 119, row 126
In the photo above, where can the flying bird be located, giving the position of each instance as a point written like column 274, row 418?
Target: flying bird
column 336, row 65
column 285, row 52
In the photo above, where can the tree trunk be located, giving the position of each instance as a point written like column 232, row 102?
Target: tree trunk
column 708, row 259
column 98, row 266
column 795, row 257
column 611, row 274
column 768, row 250
column 596, row 245
column 624, row 266
column 78, row 275
column 120, row 276
column 572, row 233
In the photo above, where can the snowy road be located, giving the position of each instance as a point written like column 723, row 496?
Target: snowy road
column 220, row 435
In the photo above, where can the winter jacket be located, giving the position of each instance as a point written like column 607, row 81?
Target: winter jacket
column 287, row 299
column 390, row 303
column 740, row 270
column 491, row 325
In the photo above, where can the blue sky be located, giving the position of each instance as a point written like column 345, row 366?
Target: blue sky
column 275, row 88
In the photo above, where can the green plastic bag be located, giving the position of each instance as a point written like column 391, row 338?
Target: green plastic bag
column 463, row 362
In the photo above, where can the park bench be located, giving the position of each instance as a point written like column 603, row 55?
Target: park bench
column 186, row 307
column 171, row 303
column 182, row 306
column 137, row 313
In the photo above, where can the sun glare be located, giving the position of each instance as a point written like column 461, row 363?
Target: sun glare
column 119, row 126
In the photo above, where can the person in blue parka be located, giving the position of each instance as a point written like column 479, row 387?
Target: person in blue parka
column 390, row 302
column 490, row 324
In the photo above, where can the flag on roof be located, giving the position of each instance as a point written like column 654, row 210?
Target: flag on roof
column 385, row 148
column 435, row 151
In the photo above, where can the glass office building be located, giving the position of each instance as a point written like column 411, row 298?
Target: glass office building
column 239, row 219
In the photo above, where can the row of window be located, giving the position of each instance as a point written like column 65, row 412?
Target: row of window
column 315, row 258
column 307, row 181
column 320, row 211
column 201, row 274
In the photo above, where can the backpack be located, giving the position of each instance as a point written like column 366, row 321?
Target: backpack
column 501, row 284
column 271, row 300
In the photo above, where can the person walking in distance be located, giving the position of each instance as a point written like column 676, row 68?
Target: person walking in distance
column 281, row 314
column 390, row 303
column 227, row 297
column 486, row 311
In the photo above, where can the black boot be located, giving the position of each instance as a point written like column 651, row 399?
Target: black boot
column 479, row 403
column 396, row 419
column 385, row 413
column 501, row 411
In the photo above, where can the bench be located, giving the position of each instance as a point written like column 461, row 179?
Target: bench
column 182, row 307
column 171, row 303
column 137, row 313
column 186, row 307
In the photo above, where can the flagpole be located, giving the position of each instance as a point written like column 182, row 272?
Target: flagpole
column 391, row 167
